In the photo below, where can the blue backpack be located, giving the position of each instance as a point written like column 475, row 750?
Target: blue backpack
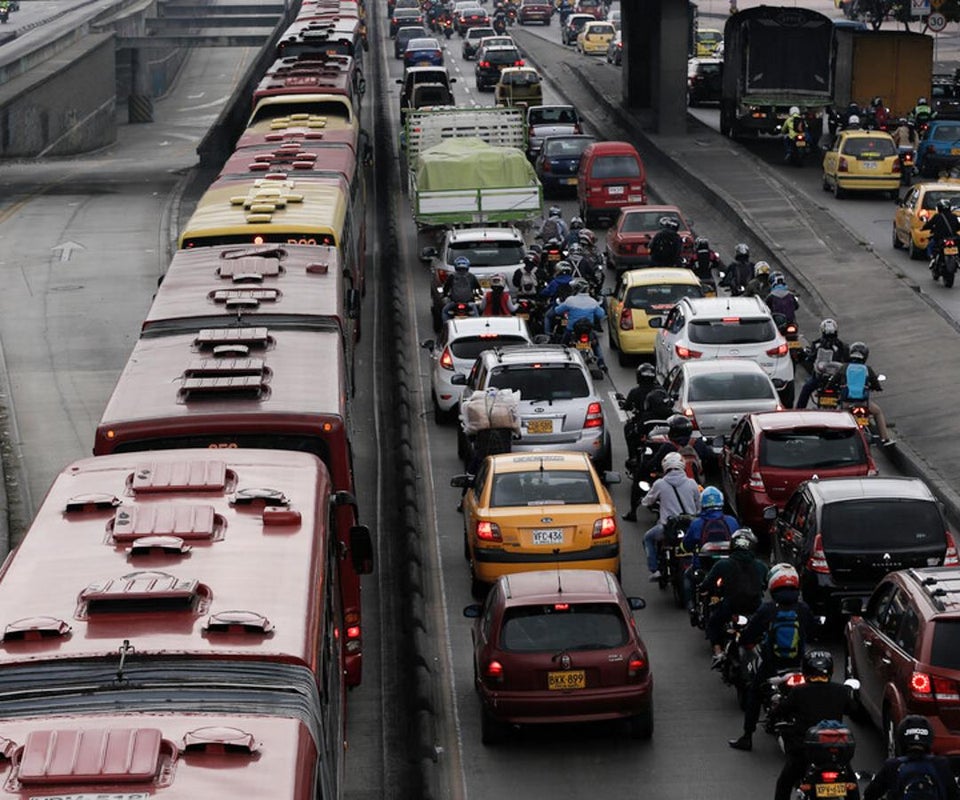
column 783, row 635
column 918, row 779
column 857, row 375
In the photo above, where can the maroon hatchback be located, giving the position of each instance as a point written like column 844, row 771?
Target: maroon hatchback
column 560, row 646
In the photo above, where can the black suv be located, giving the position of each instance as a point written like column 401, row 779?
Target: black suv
column 704, row 80
column 845, row 534
column 491, row 61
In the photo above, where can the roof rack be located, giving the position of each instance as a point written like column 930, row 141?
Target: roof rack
column 943, row 590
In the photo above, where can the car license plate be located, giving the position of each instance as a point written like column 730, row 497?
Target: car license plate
column 831, row 790
column 636, row 198
column 424, row 62
column 571, row 679
column 540, row 426
column 949, row 251
column 615, row 189
column 869, row 164
column 570, row 181
column 548, row 536
column 955, row 151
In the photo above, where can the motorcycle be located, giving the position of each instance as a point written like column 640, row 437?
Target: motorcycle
column 4, row 15
column 447, row 27
column 908, row 158
column 861, row 413
column 552, row 255
column 673, row 557
column 791, row 332
column 799, row 147
column 584, row 338
column 826, row 394
column 945, row 262
column 500, row 24
column 707, row 555
column 828, row 749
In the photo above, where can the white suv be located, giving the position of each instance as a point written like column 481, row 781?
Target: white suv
column 559, row 407
column 724, row 327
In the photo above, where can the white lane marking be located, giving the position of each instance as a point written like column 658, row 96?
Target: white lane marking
column 621, row 414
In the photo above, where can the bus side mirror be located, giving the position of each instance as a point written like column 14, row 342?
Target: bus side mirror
column 361, row 549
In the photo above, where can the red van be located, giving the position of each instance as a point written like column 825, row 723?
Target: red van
column 611, row 175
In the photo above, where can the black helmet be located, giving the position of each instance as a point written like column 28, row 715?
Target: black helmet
column 563, row 268
column 531, row 261
column 877, row 101
column 828, row 327
column 679, row 426
column 646, row 372
column 818, row 665
column 579, row 286
column 701, row 244
column 741, row 252
column 943, row 206
column 576, row 223
column 921, row 101
column 743, row 539
column 535, row 248
column 913, row 733
column 859, row 352
column 656, row 399
column 669, row 223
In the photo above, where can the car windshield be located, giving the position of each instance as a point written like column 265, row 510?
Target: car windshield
column 811, row 448
column 568, row 148
column 562, row 627
column 601, row 30
column 946, row 133
column 546, row 383
column 542, row 487
column 945, row 651
column 487, row 254
column 479, row 33
column 625, row 166
column 882, row 524
column 735, row 386
column 661, row 297
column 863, row 147
column 410, row 33
column 934, row 196
column 430, row 95
column 552, row 115
column 647, row 221
column 469, row 347
column 423, row 44
column 501, row 56
column 522, row 78
column 732, row 331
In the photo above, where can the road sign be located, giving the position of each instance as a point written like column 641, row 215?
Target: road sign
column 935, row 4
column 936, row 22
column 919, row 8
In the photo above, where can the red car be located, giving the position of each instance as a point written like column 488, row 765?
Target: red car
column 560, row 646
column 535, row 11
column 628, row 240
column 471, row 18
column 770, row 453
column 904, row 648
column 594, row 7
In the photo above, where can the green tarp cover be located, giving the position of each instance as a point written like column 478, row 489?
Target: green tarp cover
column 471, row 163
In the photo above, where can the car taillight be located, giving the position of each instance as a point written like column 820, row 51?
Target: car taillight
column 488, row 531
column 606, row 526
column 950, row 558
column 446, row 359
column 686, row 352
column 842, row 165
column 921, row 686
column 818, row 559
column 484, row 65
column 755, row 482
column 594, row 416
column 636, row 665
column 493, row 672
column 437, row 53
column 546, row 166
column 795, row 679
column 945, row 690
column 626, row 319
column 896, row 166
column 779, row 351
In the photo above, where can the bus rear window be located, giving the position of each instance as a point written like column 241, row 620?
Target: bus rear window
column 301, row 443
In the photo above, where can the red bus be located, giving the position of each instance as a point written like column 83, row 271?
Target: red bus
column 302, row 128
column 313, row 73
column 327, row 33
column 172, row 624
column 247, row 387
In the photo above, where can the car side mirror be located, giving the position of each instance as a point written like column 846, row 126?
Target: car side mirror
column 427, row 254
column 610, row 477
column 770, row 513
column 400, row 81
column 655, row 322
column 607, row 292
column 458, row 379
column 361, row 549
column 473, row 611
column 428, row 344
column 637, row 603
column 851, row 606
column 464, row 481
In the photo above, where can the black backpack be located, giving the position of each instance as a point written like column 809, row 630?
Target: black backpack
column 743, row 587
column 461, row 288
column 918, row 779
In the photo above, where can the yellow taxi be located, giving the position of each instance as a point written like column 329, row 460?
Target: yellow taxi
column 595, row 37
column 919, row 204
column 866, row 161
column 639, row 295
column 708, row 40
column 531, row 511
column 520, row 87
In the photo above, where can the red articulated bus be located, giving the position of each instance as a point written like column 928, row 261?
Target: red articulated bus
column 327, row 33
column 247, row 387
column 171, row 625
column 313, row 73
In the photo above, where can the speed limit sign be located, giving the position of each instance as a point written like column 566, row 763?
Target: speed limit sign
column 936, row 22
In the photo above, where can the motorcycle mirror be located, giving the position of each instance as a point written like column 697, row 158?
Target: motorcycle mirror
column 427, row 344
column 852, row 683
column 881, row 377
column 647, row 451
column 643, row 486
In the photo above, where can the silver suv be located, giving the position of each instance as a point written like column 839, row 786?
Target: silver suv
column 489, row 250
column 559, row 407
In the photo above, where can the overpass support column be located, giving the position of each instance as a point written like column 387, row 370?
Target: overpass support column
column 140, row 102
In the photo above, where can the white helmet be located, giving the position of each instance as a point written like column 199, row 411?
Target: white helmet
column 794, row 110
column 672, row 461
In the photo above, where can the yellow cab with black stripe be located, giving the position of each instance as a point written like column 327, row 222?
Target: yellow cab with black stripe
column 863, row 161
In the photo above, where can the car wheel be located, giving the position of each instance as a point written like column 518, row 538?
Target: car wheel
column 824, row 184
column 441, row 417
column 913, row 251
column 436, row 314
column 897, row 244
column 837, row 191
column 890, row 734
column 605, row 462
column 477, row 587
column 492, row 731
column 463, row 446
column 787, row 395
column 641, row 725
column 857, row 711
column 611, row 342
column 466, row 544
column 623, row 359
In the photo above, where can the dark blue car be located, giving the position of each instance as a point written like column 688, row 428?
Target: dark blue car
column 559, row 160
column 423, row 53
column 939, row 148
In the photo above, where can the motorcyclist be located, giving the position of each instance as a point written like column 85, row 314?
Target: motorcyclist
column 852, row 110
column 559, row 287
column 706, row 263
column 666, row 246
column 635, row 401
column 878, row 114
column 738, row 583
column 915, row 742
column 711, row 525
column 784, row 616
column 526, row 278
column 828, row 347
column 942, row 225
column 461, row 287
column 496, row 301
column 579, row 305
column 793, row 126
column 553, row 226
column 781, row 300
column 922, row 112
column 573, row 236
column 675, row 494
column 816, row 700
column 739, row 271
column 856, row 381
column 759, row 284
column 905, row 134
column 583, row 265
column 499, row 22
column 853, row 123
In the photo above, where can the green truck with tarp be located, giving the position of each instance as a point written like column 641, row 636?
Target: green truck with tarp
column 469, row 167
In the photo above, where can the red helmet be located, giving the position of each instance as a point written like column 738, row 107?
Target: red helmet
column 782, row 576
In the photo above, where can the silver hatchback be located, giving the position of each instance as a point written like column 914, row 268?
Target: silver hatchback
column 716, row 394
column 560, row 409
